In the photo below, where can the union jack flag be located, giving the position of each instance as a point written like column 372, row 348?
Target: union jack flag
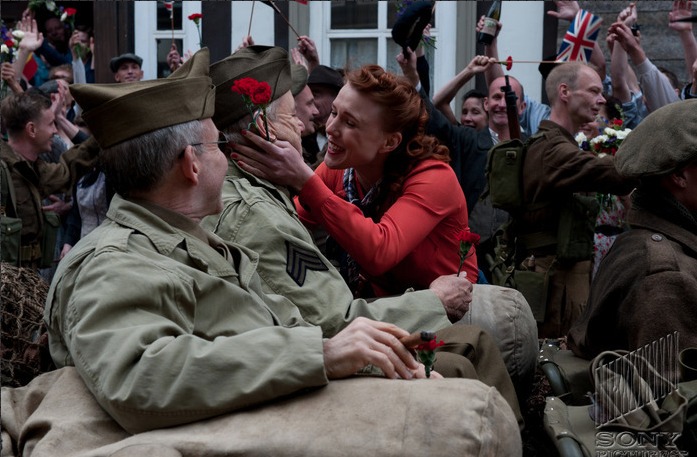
column 580, row 38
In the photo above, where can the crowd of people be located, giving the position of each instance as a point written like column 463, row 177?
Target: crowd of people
column 207, row 254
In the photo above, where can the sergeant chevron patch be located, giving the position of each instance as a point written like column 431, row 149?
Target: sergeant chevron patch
column 299, row 260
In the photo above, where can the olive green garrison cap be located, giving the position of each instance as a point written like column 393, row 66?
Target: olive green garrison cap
column 263, row 63
column 119, row 112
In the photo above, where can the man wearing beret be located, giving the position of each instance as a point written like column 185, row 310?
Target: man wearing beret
column 262, row 217
column 646, row 286
column 126, row 68
column 165, row 322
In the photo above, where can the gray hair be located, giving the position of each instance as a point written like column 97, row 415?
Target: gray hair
column 232, row 131
column 140, row 163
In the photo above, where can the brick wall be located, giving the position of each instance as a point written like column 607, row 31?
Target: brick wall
column 661, row 44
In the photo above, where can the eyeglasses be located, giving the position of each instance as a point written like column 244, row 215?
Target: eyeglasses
column 222, row 139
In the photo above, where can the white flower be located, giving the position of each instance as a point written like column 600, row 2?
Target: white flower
column 610, row 132
column 64, row 16
column 18, row 34
column 622, row 134
column 4, row 49
column 599, row 139
column 50, row 5
column 581, row 137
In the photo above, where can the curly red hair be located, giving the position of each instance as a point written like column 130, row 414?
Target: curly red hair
column 403, row 111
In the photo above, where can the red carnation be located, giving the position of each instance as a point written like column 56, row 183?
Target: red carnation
column 467, row 239
column 195, row 17
column 509, row 63
column 430, row 345
column 70, row 11
column 465, row 236
column 261, row 94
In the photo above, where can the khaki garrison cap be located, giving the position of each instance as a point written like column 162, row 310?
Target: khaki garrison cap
column 119, row 112
column 263, row 63
column 662, row 143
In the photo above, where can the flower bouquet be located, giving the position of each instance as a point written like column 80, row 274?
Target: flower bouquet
column 607, row 143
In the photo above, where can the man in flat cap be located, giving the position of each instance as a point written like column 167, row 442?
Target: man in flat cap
column 646, row 286
column 165, row 322
column 291, row 264
column 126, row 68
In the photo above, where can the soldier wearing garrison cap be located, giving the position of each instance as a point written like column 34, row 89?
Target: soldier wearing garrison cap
column 290, row 263
column 646, row 286
column 166, row 322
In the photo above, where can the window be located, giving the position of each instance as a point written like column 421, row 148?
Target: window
column 360, row 32
column 156, row 32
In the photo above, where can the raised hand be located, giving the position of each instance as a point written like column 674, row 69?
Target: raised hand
column 480, row 64
column 680, row 10
column 480, row 26
column 565, row 10
column 32, row 37
column 628, row 15
column 174, row 60
column 308, row 49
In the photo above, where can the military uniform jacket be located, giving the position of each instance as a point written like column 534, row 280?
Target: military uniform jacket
column 555, row 168
column 262, row 218
column 165, row 330
column 35, row 181
column 646, row 287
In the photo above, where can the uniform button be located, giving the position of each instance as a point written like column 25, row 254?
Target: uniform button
column 656, row 237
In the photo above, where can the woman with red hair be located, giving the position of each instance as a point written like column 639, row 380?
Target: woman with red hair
column 385, row 194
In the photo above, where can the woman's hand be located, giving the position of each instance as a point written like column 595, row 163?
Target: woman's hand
column 278, row 162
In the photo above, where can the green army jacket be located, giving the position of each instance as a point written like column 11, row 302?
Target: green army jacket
column 34, row 181
column 262, row 218
column 164, row 330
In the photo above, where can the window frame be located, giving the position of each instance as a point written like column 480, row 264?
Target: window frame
column 444, row 68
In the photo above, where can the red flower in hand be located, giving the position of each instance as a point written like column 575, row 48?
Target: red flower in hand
column 509, row 63
column 467, row 239
column 70, row 11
